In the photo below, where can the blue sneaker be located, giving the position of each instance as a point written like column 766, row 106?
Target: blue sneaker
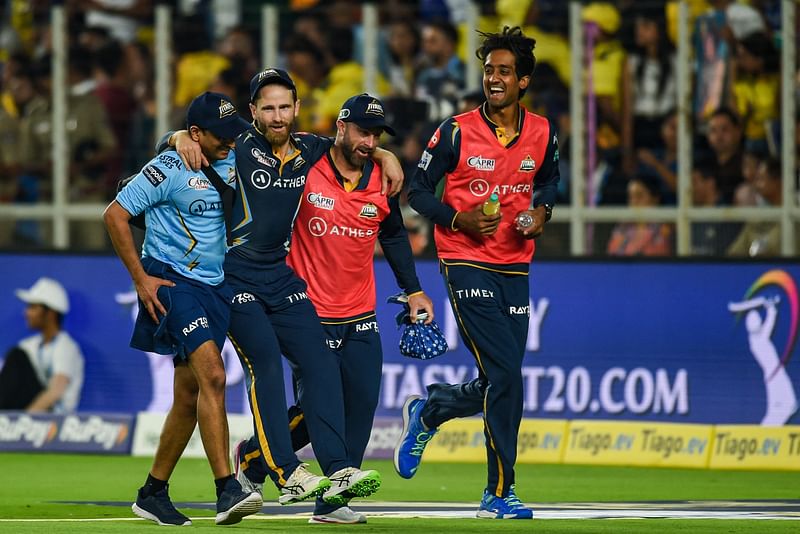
column 510, row 507
column 408, row 451
column 159, row 508
column 233, row 504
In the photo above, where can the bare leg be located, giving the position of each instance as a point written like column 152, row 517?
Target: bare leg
column 179, row 425
column 206, row 363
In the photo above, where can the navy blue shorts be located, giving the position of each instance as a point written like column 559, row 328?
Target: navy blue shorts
column 196, row 313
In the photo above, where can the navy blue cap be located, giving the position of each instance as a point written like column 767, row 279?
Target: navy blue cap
column 269, row 76
column 215, row 112
column 366, row 111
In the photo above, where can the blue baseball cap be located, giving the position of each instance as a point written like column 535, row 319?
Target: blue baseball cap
column 270, row 76
column 215, row 112
column 366, row 111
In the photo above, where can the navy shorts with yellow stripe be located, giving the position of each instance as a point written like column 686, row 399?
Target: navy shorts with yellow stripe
column 196, row 313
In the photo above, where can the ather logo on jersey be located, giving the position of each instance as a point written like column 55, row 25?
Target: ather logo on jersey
column 478, row 187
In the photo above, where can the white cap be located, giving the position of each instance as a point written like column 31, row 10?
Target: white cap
column 48, row 292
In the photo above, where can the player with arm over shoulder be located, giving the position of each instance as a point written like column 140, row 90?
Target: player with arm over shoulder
column 499, row 148
column 271, row 311
column 184, row 302
column 341, row 216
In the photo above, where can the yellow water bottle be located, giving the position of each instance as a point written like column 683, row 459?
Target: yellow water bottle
column 492, row 205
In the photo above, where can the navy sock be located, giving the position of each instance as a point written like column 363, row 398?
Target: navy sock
column 153, row 485
column 221, row 482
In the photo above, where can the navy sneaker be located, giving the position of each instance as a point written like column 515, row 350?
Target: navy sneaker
column 510, row 507
column 414, row 438
column 159, row 508
column 233, row 504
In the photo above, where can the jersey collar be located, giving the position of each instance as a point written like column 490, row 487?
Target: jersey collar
column 497, row 130
column 366, row 172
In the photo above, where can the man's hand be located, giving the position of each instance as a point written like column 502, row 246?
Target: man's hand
column 147, row 289
column 420, row 302
column 189, row 150
column 392, row 176
column 476, row 223
column 537, row 228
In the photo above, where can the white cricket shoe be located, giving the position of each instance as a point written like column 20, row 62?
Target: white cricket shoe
column 302, row 485
column 351, row 482
column 343, row 515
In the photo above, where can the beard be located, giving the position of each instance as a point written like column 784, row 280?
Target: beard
column 353, row 157
column 275, row 138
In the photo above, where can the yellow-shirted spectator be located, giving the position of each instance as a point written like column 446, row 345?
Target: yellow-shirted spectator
column 194, row 74
column 756, row 85
column 344, row 80
column 608, row 64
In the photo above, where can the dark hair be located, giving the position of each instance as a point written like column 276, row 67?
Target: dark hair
column 108, row 58
column 650, row 182
column 300, row 44
column 448, row 30
column 725, row 111
column 761, row 46
column 340, row 44
column 513, row 40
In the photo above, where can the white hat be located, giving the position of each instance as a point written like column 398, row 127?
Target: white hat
column 48, row 292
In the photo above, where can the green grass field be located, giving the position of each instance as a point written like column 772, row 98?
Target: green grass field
column 32, row 483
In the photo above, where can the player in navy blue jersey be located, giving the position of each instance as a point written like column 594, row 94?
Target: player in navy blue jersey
column 184, row 303
column 271, row 312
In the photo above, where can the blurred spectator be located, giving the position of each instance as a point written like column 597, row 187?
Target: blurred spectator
column 608, row 62
column 725, row 139
column 709, row 238
column 762, row 238
column 239, row 47
column 44, row 372
column 661, row 161
column 418, row 233
column 90, row 144
column 119, row 18
column 345, row 79
column 642, row 238
column 306, row 65
column 197, row 67
column 649, row 89
column 745, row 194
column 441, row 74
column 113, row 90
column 404, row 49
column 756, row 87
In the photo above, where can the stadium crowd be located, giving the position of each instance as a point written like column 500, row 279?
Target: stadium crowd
column 422, row 60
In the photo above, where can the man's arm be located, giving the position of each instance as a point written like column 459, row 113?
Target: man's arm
column 392, row 177
column 545, row 189
column 116, row 220
column 45, row 400
column 439, row 157
column 393, row 238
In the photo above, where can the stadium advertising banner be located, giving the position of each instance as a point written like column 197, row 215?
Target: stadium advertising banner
column 684, row 343
column 86, row 432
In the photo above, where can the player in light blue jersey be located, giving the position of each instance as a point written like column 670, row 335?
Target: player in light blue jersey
column 184, row 303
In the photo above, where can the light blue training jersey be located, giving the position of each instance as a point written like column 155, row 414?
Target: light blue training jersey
column 184, row 215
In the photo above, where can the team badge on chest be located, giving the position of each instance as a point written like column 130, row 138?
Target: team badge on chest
column 369, row 211
column 528, row 164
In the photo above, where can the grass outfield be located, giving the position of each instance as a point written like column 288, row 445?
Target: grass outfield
column 32, row 482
